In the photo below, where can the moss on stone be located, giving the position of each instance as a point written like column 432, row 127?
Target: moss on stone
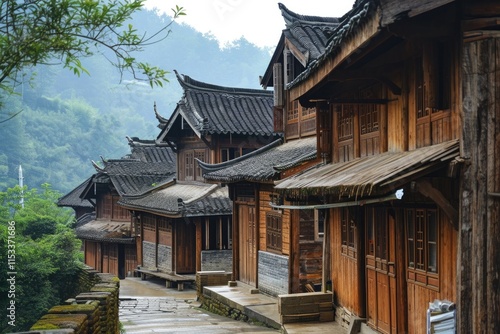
column 74, row 308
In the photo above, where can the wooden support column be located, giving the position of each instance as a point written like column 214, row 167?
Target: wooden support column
column 294, row 270
column 199, row 243
column 327, row 254
column 478, row 303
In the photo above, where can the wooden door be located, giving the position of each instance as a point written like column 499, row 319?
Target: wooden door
column 381, row 278
column 248, row 244
column 185, row 248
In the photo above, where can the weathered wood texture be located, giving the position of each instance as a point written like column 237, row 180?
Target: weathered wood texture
column 345, row 273
column 300, row 307
column 479, row 248
column 419, row 295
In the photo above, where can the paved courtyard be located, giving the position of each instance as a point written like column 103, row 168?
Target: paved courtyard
column 149, row 307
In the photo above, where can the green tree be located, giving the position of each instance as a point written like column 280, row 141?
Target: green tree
column 47, row 256
column 41, row 31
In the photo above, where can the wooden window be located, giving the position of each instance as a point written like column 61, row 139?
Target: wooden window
column 217, row 233
column 422, row 246
column 105, row 207
column 308, row 112
column 433, row 94
column 189, row 165
column 274, row 232
column 319, row 224
column 349, row 240
column 345, row 131
column 149, row 227
column 306, row 218
column 200, row 155
column 119, row 213
column 293, row 111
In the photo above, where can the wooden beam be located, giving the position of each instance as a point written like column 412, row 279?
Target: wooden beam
column 481, row 23
column 365, row 75
column 425, row 188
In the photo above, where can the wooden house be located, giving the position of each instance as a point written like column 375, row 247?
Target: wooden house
column 185, row 226
column 405, row 98
column 410, row 93
column 279, row 250
column 73, row 200
column 108, row 235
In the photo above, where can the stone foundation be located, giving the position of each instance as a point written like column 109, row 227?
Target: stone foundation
column 93, row 311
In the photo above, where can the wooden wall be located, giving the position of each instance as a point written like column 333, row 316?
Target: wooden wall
column 420, row 296
column 345, row 270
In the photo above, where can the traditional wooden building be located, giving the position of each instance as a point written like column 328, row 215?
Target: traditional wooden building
column 409, row 88
column 279, row 251
column 406, row 106
column 73, row 200
column 108, row 235
column 186, row 225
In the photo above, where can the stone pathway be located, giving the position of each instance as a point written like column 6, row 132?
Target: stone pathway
column 149, row 307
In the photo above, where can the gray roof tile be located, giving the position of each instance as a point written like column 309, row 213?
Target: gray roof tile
column 186, row 200
column 263, row 164
column 222, row 110
column 73, row 199
column 89, row 228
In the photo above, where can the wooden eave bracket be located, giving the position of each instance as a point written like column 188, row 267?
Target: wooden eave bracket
column 348, row 75
column 480, row 23
column 425, row 188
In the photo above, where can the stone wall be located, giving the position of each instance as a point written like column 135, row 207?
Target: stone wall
column 93, row 311
column 217, row 260
column 273, row 274
column 149, row 255
column 165, row 258
column 210, row 278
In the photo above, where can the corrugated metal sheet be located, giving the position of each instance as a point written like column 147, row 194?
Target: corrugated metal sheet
column 370, row 175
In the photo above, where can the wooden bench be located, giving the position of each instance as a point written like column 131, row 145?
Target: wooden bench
column 170, row 279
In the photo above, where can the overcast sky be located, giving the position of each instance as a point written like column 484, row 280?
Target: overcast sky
column 259, row 21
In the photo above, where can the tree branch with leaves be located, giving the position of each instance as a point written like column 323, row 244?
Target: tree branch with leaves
column 34, row 32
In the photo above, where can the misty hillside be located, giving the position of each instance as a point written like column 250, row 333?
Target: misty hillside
column 67, row 121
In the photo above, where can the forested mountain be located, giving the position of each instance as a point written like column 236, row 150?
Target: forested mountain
column 67, row 121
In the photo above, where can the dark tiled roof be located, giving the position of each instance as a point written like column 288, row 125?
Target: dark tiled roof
column 149, row 151
column 88, row 228
column 263, row 164
column 349, row 24
column 211, row 109
column 183, row 200
column 146, row 167
column 73, row 199
column 309, row 34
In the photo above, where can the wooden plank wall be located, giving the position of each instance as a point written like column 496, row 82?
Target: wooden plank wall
column 264, row 197
column 345, row 270
column 419, row 296
column 130, row 258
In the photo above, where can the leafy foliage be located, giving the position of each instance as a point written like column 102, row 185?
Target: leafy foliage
column 39, row 32
column 66, row 121
column 47, row 255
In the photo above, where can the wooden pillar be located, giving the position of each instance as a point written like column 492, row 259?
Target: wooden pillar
column 479, row 232
column 199, row 237
column 294, row 277
column 327, row 254
column 236, row 238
